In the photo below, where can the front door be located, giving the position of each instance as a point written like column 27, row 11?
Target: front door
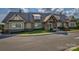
column 50, row 26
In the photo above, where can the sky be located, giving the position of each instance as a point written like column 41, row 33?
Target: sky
column 66, row 11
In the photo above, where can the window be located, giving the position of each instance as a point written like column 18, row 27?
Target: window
column 37, row 16
column 38, row 25
column 13, row 25
column 72, row 24
column 16, row 25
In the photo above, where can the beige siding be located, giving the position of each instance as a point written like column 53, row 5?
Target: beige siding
column 28, row 25
column 6, row 26
column 59, row 24
column 46, row 26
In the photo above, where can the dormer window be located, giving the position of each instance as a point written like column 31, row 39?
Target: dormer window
column 37, row 16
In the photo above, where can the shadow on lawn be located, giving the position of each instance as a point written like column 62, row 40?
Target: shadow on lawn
column 2, row 36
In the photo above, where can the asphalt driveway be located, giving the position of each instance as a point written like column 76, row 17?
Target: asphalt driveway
column 53, row 42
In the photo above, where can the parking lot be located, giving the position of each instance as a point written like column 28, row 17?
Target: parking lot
column 53, row 42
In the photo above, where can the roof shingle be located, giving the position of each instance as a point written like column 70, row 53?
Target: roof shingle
column 29, row 16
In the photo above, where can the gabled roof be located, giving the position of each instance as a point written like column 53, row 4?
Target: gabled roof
column 28, row 17
column 47, row 18
column 23, row 15
column 57, row 16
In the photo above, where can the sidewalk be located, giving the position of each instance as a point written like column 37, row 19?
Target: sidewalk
column 37, row 34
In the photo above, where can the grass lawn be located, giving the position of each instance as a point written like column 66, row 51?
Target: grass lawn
column 33, row 32
column 77, row 49
column 73, row 30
